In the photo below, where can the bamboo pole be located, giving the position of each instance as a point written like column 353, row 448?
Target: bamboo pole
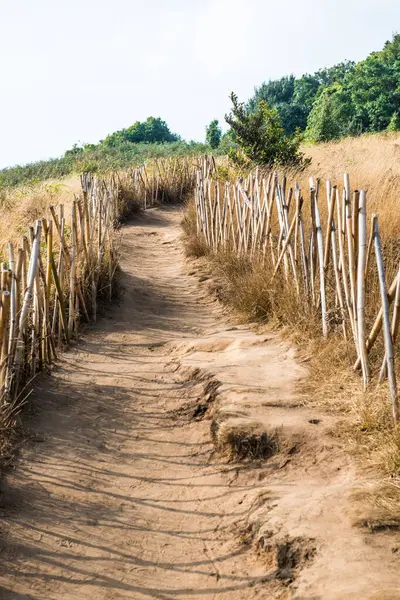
column 377, row 326
column 303, row 255
column 335, row 261
column 72, row 283
column 370, row 244
column 2, row 311
column 320, row 247
column 331, row 199
column 361, row 237
column 286, row 244
column 386, row 325
column 47, row 329
column 395, row 325
column 354, row 225
column 343, row 262
column 351, row 262
column 13, row 319
column 60, row 299
column 5, row 318
column 32, row 272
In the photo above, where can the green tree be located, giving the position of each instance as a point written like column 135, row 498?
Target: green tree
column 294, row 98
column 228, row 142
column 279, row 94
column 213, row 134
column 305, row 90
column 260, row 135
column 274, row 91
column 333, row 115
column 336, row 74
column 153, row 130
column 394, row 123
column 374, row 88
column 74, row 151
column 293, row 116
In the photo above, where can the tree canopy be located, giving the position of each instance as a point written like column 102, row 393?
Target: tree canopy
column 151, row 131
column 213, row 134
column 294, row 98
column 346, row 99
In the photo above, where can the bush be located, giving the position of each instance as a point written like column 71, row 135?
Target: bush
column 150, row 131
column 260, row 136
column 213, row 134
column 332, row 116
column 394, row 123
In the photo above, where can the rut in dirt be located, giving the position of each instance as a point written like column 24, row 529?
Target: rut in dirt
column 115, row 496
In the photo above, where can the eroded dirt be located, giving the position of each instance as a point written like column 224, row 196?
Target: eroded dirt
column 121, row 494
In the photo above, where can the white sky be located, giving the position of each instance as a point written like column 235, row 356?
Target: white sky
column 76, row 70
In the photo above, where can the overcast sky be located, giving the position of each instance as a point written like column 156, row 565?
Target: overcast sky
column 76, row 70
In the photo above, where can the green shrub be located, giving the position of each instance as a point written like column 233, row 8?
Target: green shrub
column 261, row 137
column 213, row 134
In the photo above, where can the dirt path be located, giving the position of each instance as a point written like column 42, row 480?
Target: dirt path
column 120, row 495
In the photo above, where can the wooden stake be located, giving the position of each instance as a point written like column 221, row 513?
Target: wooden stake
column 386, row 325
column 362, row 254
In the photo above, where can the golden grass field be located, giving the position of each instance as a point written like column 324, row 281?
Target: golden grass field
column 373, row 162
column 21, row 207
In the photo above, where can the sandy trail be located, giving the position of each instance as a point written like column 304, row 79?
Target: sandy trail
column 120, row 495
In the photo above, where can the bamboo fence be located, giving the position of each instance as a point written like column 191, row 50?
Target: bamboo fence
column 158, row 181
column 329, row 260
column 53, row 280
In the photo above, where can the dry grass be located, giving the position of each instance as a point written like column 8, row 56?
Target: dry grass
column 366, row 424
column 21, row 207
column 240, row 439
column 373, row 162
column 194, row 245
column 129, row 203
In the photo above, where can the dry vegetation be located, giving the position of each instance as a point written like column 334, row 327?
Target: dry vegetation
column 245, row 284
column 373, row 162
column 21, row 207
column 163, row 181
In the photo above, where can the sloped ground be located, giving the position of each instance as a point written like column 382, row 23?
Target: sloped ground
column 120, row 493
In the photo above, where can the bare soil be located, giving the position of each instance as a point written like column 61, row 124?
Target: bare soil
column 129, row 485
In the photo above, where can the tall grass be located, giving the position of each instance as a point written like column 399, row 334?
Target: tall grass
column 373, row 162
column 22, row 206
